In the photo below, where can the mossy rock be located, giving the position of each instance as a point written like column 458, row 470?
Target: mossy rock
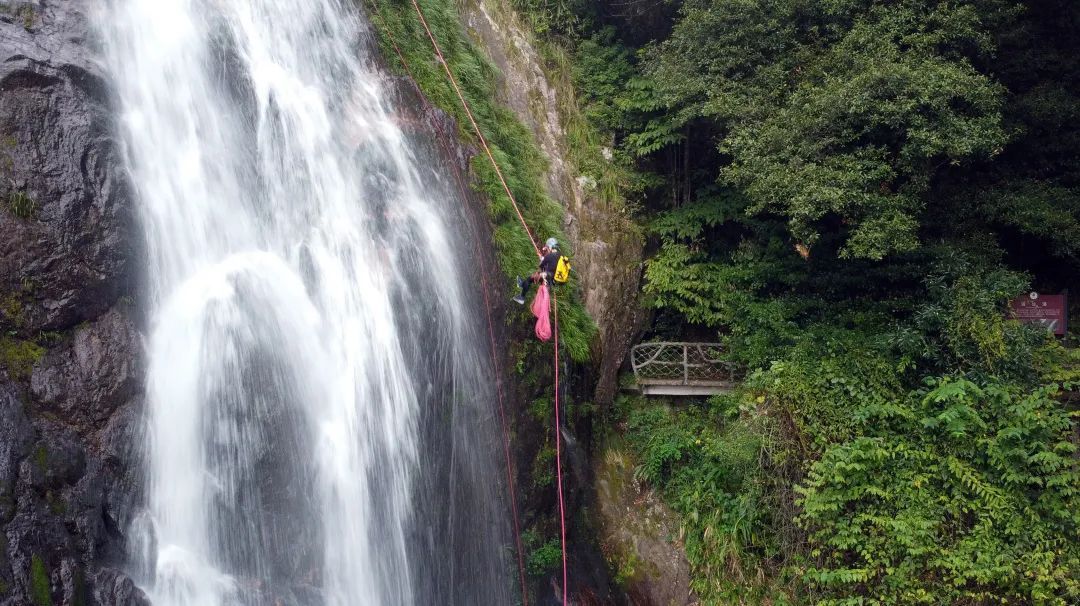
column 40, row 587
column 12, row 311
column 18, row 357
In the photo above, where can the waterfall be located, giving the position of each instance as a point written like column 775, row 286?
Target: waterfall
column 319, row 399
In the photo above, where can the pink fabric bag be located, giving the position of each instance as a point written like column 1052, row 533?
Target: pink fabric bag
column 541, row 308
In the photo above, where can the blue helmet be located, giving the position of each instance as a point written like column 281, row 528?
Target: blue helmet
column 552, row 243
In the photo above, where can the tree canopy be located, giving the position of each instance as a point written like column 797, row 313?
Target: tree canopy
column 849, row 193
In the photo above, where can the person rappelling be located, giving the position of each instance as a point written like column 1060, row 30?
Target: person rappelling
column 549, row 262
column 554, row 269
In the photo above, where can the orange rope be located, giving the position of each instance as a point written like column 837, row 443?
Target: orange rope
column 558, row 451
column 494, row 360
column 468, row 112
column 532, row 239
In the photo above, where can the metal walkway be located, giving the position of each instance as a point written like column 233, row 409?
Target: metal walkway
column 681, row 369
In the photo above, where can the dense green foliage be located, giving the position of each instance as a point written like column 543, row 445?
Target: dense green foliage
column 848, row 193
column 541, row 557
column 953, row 492
column 842, row 109
column 710, row 469
column 958, row 493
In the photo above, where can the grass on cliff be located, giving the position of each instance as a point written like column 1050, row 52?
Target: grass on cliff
column 512, row 144
column 21, row 205
column 40, row 590
column 710, row 467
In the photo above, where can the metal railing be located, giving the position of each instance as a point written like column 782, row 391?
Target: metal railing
column 673, row 363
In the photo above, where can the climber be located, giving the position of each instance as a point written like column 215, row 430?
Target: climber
column 549, row 260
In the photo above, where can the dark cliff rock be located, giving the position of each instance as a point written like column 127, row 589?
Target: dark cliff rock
column 70, row 362
column 86, row 378
column 14, row 446
column 68, row 223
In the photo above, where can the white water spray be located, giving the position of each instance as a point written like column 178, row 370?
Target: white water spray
column 297, row 349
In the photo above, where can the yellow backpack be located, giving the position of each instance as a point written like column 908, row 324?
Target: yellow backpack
column 562, row 270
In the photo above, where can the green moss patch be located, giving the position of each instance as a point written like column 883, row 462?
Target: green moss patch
column 40, row 591
column 18, row 357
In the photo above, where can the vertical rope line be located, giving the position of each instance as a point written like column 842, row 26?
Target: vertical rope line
column 558, row 453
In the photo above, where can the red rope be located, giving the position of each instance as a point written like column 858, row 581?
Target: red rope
column 558, row 452
column 521, row 218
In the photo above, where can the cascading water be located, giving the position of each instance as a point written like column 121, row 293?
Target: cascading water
column 319, row 408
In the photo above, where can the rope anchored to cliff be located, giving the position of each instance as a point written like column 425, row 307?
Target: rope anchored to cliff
column 536, row 247
column 472, row 120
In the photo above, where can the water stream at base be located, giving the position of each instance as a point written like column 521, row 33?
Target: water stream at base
column 320, row 426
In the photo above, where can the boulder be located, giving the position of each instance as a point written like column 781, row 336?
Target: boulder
column 114, row 587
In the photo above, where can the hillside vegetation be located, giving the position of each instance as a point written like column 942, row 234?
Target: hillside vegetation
column 848, row 193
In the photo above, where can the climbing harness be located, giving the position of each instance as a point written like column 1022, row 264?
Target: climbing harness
column 564, row 266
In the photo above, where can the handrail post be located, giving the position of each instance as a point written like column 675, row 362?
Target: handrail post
column 685, row 365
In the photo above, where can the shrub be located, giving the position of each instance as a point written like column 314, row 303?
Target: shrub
column 957, row 493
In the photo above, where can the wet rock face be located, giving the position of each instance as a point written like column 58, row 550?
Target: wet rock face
column 60, row 507
column 67, row 219
column 88, row 377
column 14, row 446
column 70, row 361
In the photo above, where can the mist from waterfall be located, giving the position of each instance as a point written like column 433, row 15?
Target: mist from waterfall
column 319, row 401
